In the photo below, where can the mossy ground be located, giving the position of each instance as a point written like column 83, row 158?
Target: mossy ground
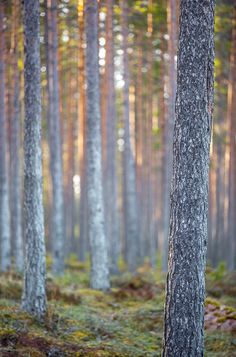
column 127, row 321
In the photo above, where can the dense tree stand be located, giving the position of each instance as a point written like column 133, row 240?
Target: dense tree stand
column 184, row 311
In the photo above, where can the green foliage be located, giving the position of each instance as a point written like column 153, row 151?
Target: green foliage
column 219, row 273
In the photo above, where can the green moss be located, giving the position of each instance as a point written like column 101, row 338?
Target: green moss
column 128, row 321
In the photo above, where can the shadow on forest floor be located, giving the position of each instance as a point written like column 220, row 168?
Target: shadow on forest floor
column 128, row 321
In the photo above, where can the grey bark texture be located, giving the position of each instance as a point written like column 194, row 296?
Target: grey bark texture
column 5, row 245
column 184, row 309
column 110, row 186
column 98, row 244
column 15, row 160
column 169, row 127
column 58, row 224
column 34, row 294
column 129, row 172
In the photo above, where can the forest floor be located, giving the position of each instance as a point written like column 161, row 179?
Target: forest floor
column 127, row 321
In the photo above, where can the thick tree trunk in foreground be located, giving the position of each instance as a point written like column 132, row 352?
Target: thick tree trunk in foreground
column 184, row 311
column 110, row 162
column 58, row 224
column 130, row 199
column 5, row 249
column 15, row 179
column 34, row 295
column 98, row 244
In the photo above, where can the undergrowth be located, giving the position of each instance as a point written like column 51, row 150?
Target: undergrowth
column 126, row 322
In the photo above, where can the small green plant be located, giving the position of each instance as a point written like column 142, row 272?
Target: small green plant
column 219, row 273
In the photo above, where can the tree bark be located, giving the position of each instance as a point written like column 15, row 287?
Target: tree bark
column 15, row 179
column 98, row 243
column 169, row 127
column 58, row 224
column 34, row 294
column 4, row 179
column 130, row 199
column 111, row 209
column 184, row 310
column 83, row 227
column 232, row 160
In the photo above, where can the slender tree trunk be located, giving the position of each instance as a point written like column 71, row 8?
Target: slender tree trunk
column 34, row 294
column 98, row 243
column 219, row 223
column 152, row 241
column 130, row 199
column 169, row 127
column 161, row 127
column 139, row 136
column 232, row 160
column 184, row 310
column 83, row 216
column 110, row 162
column 210, row 215
column 70, row 171
column 58, row 224
column 4, row 188
column 15, row 193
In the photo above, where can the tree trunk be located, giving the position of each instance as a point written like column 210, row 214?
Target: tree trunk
column 184, row 311
column 58, row 228
column 110, row 161
column 169, row 127
column 152, row 239
column 83, row 227
column 15, row 186
column 34, row 294
column 4, row 188
column 98, row 243
column 232, row 160
column 70, row 169
column 130, row 199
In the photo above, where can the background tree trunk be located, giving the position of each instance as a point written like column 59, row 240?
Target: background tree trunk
column 110, row 161
column 184, row 311
column 58, row 224
column 232, row 160
column 34, row 294
column 98, row 243
column 83, row 215
column 4, row 183
column 169, row 126
column 130, row 199
column 15, row 162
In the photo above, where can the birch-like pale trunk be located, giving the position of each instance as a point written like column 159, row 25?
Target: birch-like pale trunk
column 129, row 175
column 58, row 224
column 184, row 309
column 34, row 294
column 98, row 244
column 5, row 246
